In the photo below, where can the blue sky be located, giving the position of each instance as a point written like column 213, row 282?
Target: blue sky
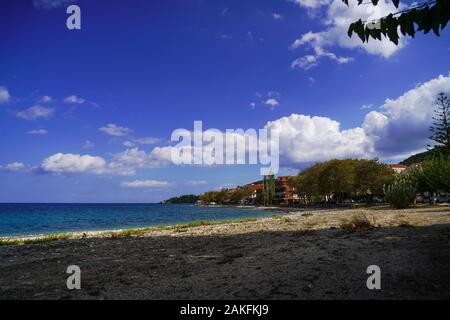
column 119, row 87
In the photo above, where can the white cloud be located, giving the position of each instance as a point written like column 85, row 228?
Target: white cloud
column 139, row 159
column 35, row 112
column 403, row 124
column 142, row 141
column 308, row 139
column 277, row 16
column 115, row 130
column 129, row 144
column 272, row 102
column 338, row 18
column 146, row 140
column 4, row 95
column 74, row 100
column 197, row 183
column 366, row 106
column 141, row 184
column 45, row 99
column 38, row 132
column 398, row 129
column 311, row 4
column 307, row 62
column 74, row 163
column 13, row 167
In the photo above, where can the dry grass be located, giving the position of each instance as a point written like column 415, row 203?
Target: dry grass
column 47, row 238
column 358, row 222
column 136, row 232
column 402, row 221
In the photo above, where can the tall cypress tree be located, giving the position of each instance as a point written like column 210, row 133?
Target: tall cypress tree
column 441, row 125
column 268, row 189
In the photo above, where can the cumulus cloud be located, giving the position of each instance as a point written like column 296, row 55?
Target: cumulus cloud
column 13, row 167
column 38, row 132
column 402, row 124
column 306, row 139
column 73, row 163
column 338, row 18
column 115, row 130
column 74, row 100
column 4, row 95
column 35, row 112
column 141, row 184
column 139, row 159
column 394, row 131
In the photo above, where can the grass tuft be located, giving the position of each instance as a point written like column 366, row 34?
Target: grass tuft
column 402, row 221
column 358, row 222
column 47, row 238
column 122, row 233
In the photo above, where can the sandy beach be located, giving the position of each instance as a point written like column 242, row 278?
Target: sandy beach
column 316, row 254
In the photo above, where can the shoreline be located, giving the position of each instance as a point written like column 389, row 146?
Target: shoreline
column 106, row 232
column 302, row 255
column 277, row 212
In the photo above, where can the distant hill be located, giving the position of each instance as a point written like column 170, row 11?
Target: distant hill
column 420, row 157
column 188, row 198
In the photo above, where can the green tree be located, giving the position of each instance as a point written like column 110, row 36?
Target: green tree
column 441, row 125
column 402, row 192
column 434, row 176
column 338, row 178
column 307, row 181
column 343, row 177
column 371, row 176
column 187, row 198
column 426, row 16
column 268, row 191
column 240, row 194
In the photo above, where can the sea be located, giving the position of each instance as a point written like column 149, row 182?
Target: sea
column 35, row 219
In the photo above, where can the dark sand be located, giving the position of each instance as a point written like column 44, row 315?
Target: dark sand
column 293, row 257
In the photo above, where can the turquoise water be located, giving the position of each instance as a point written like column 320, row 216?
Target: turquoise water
column 31, row 219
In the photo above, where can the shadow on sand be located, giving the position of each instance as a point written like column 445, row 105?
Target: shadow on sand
column 321, row 264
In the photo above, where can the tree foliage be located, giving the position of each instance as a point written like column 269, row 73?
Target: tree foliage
column 430, row 15
column 441, row 125
column 268, row 192
column 188, row 198
column 226, row 196
column 402, row 193
column 342, row 178
column 434, row 176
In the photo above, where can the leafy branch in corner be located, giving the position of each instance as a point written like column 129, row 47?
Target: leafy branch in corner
column 431, row 15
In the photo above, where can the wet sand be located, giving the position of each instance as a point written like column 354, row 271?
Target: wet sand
column 301, row 255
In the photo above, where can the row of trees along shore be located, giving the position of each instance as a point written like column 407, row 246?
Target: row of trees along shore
column 343, row 179
column 359, row 179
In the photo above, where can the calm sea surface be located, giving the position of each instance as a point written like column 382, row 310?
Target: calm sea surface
column 30, row 219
